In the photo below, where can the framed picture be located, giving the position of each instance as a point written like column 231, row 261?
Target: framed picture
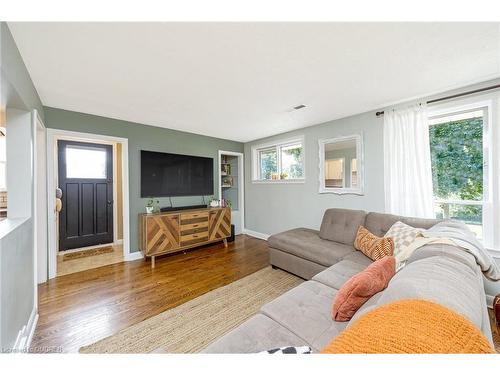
column 225, row 169
column 227, row 182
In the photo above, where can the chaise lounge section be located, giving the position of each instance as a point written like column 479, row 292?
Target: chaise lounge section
column 327, row 259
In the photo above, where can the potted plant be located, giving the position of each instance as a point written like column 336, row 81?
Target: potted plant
column 150, row 206
column 213, row 202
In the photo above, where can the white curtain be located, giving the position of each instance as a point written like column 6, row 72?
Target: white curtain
column 407, row 162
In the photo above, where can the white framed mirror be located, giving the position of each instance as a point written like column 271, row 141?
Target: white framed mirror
column 341, row 165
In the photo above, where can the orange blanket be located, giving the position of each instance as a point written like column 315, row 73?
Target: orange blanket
column 410, row 326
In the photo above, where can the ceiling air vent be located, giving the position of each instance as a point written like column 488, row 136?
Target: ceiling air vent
column 300, row 106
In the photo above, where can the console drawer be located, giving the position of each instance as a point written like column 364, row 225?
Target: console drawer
column 194, row 238
column 195, row 225
column 194, row 215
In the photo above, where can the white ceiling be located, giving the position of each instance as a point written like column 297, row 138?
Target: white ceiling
column 240, row 81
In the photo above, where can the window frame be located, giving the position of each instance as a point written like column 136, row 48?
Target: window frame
column 487, row 204
column 277, row 145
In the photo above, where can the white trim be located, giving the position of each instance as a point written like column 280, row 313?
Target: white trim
column 359, row 190
column 115, row 195
column 53, row 135
column 291, row 181
column 134, row 256
column 37, row 125
column 255, row 168
column 118, row 242
column 489, row 203
column 25, row 335
column 241, row 183
column 255, row 234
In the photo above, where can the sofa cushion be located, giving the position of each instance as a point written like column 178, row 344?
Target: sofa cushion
column 336, row 275
column 379, row 224
column 439, row 279
column 306, row 244
column 306, row 311
column 341, row 225
column 358, row 257
column 257, row 334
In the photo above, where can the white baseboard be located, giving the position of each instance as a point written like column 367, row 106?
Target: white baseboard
column 118, row 242
column 25, row 335
column 133, row 256
column 255, row 234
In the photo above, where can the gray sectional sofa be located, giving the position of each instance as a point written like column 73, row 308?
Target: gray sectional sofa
column 327, row 259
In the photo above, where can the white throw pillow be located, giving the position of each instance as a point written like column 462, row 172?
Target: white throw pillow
column 403, row 235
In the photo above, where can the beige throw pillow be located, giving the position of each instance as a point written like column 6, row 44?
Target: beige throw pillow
column 403, row 235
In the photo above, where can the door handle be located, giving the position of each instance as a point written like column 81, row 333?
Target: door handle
column 110, row 202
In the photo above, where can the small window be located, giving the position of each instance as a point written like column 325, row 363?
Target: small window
column 83, row 162
column 279, row 162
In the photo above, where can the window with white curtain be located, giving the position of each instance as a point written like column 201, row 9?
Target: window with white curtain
column 459, row 144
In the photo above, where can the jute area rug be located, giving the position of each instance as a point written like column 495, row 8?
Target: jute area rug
column 192, row 326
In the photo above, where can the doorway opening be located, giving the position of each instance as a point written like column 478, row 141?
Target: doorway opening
column 231, row 186
column 88, row 186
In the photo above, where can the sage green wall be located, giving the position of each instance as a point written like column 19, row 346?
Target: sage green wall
column 272, row 208
column 19, row 96
column 143, row 137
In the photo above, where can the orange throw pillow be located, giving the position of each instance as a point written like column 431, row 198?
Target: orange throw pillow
column 372, row 246
column 361, row 287
column 410, row 326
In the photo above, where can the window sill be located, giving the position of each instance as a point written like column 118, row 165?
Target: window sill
column 298, row 181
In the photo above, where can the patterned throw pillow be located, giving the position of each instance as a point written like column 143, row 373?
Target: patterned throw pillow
column 372, row 246
column 290, row 350
column 403, row 235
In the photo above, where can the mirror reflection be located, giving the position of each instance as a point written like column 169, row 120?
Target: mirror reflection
column 341, row 165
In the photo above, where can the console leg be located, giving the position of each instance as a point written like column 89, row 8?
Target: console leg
column 225, row 242
column 153, row 261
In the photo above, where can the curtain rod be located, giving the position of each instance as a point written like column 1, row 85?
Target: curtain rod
column 380, row 113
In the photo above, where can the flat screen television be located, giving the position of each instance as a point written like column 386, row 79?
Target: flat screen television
column 174, row 175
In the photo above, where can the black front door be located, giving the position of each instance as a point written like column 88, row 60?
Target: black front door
column 86, row 180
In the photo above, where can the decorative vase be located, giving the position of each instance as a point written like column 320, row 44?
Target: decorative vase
column 149, row 209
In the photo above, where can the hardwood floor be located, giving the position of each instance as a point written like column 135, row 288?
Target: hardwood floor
column 84, row 307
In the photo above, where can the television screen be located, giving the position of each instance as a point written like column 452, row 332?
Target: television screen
column 171, row 175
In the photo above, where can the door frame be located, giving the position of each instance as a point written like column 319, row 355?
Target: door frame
column 241, row 183
column 37, row 127
column 54, row 135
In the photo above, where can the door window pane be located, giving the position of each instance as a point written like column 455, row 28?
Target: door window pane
column 291, row 162
column 82, row 162
column 268, row 160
